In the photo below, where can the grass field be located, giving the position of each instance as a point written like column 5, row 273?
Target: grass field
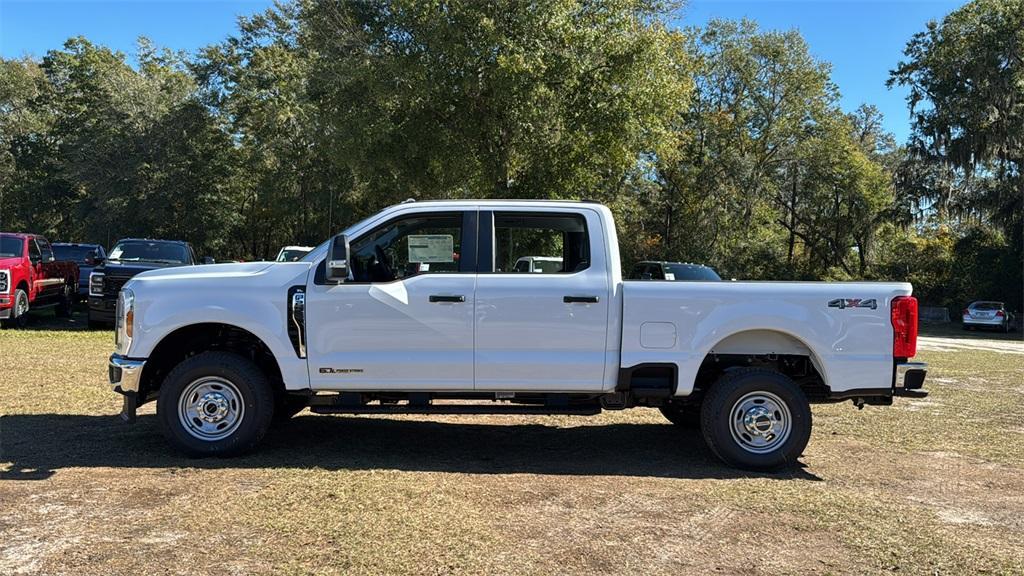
column 922, row 487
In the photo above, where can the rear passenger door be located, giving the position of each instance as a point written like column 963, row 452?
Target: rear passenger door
column 541, row 331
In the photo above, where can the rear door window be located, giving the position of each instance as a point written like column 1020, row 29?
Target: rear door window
column 556, row 243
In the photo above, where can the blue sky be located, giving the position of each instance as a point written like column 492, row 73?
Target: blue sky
column 862, row 39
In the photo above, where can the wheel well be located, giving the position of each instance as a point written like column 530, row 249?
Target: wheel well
column 798, row 367
column 23, row 285
column 197, row 338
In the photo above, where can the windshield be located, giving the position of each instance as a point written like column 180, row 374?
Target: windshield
column 691, row 272
column 291, row 255
column 142, row 251
column 10, row 247
column 73, row 253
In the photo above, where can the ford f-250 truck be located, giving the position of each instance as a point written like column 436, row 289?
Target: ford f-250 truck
column 422, row 302
column 32, row 277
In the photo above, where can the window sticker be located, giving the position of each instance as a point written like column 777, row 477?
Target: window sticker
column 670, row 276
column 431, row 248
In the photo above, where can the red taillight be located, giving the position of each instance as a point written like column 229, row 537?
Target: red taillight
column 1000, row 314
column 966, row 312
column 904, row 326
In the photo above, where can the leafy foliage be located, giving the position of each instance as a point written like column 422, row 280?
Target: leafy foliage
column 723, row 145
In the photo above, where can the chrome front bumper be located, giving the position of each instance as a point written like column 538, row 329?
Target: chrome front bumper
column 125, row 373
column 908, row 379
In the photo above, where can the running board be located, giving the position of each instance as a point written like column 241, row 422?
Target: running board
column 586, row 410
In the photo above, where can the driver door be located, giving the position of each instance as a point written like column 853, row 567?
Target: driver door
column 404, row 319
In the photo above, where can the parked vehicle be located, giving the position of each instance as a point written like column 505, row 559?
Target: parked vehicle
column 986, row 314
column 32, row 277
column 126, row 259
column 539, row 264
column 292, row 253
column 359, row 326
column 85, row 255
column 677, row 271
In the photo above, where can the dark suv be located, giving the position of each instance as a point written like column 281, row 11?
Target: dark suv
column 126, row 259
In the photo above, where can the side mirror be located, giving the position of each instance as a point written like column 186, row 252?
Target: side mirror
column 93, row 259
column 208, row 260
column 337, row 259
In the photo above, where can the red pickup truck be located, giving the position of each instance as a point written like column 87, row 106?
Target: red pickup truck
column 30, row 276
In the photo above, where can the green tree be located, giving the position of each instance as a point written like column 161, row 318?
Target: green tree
column 496, row 99
column 966, row 81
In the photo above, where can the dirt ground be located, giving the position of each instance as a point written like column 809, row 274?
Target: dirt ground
column 932, row 486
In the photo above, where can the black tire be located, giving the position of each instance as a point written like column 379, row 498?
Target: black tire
column 18, row 319
column 286, row 406
column 66, row 304
column 683, row 415
column 721, row 407
column 255, row 401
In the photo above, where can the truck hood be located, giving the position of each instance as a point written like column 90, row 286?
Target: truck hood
column 8, row 262
column 128, row 269
column 208, row 271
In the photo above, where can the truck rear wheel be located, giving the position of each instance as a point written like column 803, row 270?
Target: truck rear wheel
column 66, row 303
column 215, row 404
column 756, row 419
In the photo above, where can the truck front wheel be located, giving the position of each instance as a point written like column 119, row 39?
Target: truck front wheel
column 19, row 311
column 215, row 404
column 756, row 419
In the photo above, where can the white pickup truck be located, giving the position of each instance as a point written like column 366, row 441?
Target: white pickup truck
column 421, row 309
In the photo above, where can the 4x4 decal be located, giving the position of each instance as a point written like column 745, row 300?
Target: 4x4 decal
column 843, row 303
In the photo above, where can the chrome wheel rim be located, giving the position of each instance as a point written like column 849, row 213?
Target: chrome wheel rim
column 210, row 408
column 760, row 422
column 21, row 306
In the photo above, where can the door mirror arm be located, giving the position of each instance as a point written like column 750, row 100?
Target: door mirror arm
column 337, row 259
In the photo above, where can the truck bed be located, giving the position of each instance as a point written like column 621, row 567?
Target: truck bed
column 844, row 327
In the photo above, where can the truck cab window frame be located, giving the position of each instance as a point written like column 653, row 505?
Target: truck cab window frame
column 514, row 235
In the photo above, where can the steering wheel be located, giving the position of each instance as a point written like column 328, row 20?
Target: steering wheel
column 382, row 261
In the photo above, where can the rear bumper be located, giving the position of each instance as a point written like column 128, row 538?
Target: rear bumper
column 989, row 322
column 908, row 379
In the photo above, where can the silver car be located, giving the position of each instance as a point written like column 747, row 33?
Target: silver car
column 983, row 314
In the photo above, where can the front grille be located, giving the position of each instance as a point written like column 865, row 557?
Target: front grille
column 112, row 285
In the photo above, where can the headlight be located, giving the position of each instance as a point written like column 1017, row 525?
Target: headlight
column 96, row 284
column 124, row 321
column 5, row 281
